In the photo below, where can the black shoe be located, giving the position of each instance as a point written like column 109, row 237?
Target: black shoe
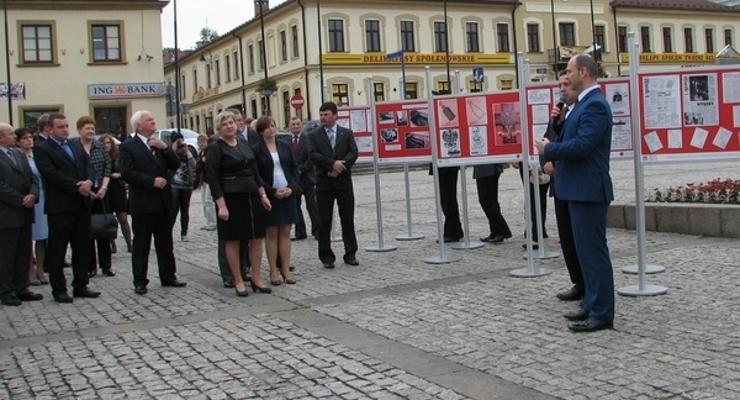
column 28, row 295
column 62, row 298
column 292, row 268
column 488, row 238
column 242, row 293
column 351, row 261
column 328, row 264
column 571, row 294
column 174, row 283
column 92, row 273
column 86, row 292
column 140, row 290
column 299, row 237
column 535, row 246
column 228, row 284
column 579, row 315
column 258, row 289
column 11, row 301
column 499, row 239
column 590, row 325
column 108, row 272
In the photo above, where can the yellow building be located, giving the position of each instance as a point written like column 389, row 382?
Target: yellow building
column 101, row 58
column 334, row 49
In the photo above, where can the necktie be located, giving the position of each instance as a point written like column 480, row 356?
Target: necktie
column 330, row 134
column 67, row 150
column 295, row 145
column 10, row 156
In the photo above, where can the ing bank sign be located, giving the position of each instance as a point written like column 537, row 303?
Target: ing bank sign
column 125, row 90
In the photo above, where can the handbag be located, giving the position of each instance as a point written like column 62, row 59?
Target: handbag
column 103, row 226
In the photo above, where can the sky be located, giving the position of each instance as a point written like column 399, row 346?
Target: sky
column 193, row 15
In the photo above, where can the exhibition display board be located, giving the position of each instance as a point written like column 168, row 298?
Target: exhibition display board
column 358, row 119
column 403, row 131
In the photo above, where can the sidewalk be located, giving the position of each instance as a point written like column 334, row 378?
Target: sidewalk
column 394, row 327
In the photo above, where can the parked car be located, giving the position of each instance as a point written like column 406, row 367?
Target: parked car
column 191, row 137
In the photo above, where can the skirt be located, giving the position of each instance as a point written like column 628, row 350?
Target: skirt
column 283, row 212
column 117, row 197
column 246, row 217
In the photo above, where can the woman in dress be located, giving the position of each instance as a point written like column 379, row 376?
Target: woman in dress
column 278, row 170
column 241, row 201
column 117, row 198
column 40, row 229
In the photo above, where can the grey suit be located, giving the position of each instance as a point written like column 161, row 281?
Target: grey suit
column 16, row 182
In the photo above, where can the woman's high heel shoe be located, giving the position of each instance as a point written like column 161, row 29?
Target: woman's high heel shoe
column 258, row 289
column 288, row 281
column 242, row 293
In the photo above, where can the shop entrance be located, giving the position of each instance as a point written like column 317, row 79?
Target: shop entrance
column 111, row 120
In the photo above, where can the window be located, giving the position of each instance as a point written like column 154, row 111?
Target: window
column 412, row 90
column 195, row 80
column 37, row 44
column 250, row 58
column 261, row 52
column 379, row 91
column 283, row 46
column 208, row 76
column 506, row 84
column 336, row 35
column 440, row 36
column 622, row 38
column 645, row 39
column 218, row 72
column 340, row 94
column 667, row 40
column 227, row 68
column 709, row 40
column 471, row 34
column 443, row 87
column 688, row 36
column 502, row 33
column 728, row 37
column 236, row 65
column 567, row 33
column 600, row 37
column 372, row 35
column 286, row 107
column 475, row 87
column 407, row 36
column 106, row 42
column 31, row 116
column 533, row 38
column 254, row 108
column 183, row 93
column 294, row 39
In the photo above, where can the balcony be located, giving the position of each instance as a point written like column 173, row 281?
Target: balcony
column 204, row 93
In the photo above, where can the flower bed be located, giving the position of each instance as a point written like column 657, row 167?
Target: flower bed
column 716, row 191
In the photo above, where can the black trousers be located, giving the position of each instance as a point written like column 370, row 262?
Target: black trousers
column 532, row 209
column 488, row 199
column 144, row 227
column 309, row 192
column 68, row 229
column 103, row 255
column 15, row 247
column 346, row 203
column 181, row 205
column 568, row 244
column 223, row 263
column 448, row 199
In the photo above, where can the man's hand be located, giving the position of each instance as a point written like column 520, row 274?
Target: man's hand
column 540, row 145
column 332, row 174
column 84, row 188
column 101, row 193
column 28, row 201
column 223, row 213
column 115, row 175
column 339, row 167
column 554, row 112
column 548, row 168
column 156, row 143
column 160, row 182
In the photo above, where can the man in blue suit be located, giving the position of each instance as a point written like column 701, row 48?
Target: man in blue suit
column 582, row 162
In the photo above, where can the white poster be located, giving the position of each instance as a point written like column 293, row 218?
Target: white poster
column 617, row 95
column 358, row 120
column 699, row 138
column 364, row 144
column 541, row 114
column 736, row 116
column 343, row 122
column 731, row 87
column 675, row 139
column 478, row 136
column 538, row 131
column 653, row 142
column 700, row 100
column 723, row 138
column 538, row 96
column 621, row 134
column 662, row 102
column 476, row 110
column 450, row 141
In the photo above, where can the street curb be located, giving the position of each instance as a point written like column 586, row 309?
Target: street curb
column 717, row 220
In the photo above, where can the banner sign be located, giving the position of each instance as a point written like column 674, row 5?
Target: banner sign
column 403, row 131
column 690, row 114
column 125, row 90
column 17, row 91
column 358, row 119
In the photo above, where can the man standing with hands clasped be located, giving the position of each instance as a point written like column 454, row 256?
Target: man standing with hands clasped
column 333, row 151
column 582, row 164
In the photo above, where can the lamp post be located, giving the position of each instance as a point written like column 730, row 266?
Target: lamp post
column 177, row 71
column 263, row 59
column 447, row 48
column 7, row 65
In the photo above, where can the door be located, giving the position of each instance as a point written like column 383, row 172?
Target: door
column 111, row 120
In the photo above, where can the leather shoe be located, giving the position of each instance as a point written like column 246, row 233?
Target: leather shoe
column 174, row 283
column 351, row 261
column 28, row 295
column 86, row 292
column 571, row 294
column 11, row 301
column 299, row 237
column 328, row 264
column 499, row 238
column 108, row 272
column 228, row 284
column 487, row 238
column 140, row 290
column 62, row 298
column 92, row 273
column 579, row 315
column 590, row 325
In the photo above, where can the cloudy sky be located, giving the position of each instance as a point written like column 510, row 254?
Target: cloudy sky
column 193, row 15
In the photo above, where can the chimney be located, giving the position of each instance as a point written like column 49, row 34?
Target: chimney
column 264, row 4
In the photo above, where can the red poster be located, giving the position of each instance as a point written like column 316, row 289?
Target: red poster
column 690, row 114
column 478, row 128
column 358, row 119
column 403, row 131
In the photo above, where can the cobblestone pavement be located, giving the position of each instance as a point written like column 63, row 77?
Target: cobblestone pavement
column 394, row 327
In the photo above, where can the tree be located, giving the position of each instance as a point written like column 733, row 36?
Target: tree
column 207, row 35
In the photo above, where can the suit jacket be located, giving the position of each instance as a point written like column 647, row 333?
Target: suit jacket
column 323, row 157
column 305, row 171
column 486, row 170
column 16, row 182
column 139, row 167
column 582, row 155
column 60, row 175
column 267, row 167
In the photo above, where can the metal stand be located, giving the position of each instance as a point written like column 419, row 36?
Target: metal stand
column 641, row 289
column 634, row 269
column 530, row 270
column 542, row 254
column 466, row 243
column 444, row 257
column 410, row 235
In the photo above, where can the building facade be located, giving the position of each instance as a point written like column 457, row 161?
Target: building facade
column 338, row 50
column 101, row 58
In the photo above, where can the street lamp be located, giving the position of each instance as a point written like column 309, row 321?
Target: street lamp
column 263, row 57
column 9, row 84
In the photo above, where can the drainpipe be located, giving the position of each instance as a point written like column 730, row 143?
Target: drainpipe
column 305, row 57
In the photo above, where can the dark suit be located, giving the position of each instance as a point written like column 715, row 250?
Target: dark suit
column 67, row 210
column 486, row 179
column 448, row 201
column 582, row 164
column 150, row 207
column 16, row 182
column 267, row 167
column 562, row 215
column 307, row 185
column 329, row 189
